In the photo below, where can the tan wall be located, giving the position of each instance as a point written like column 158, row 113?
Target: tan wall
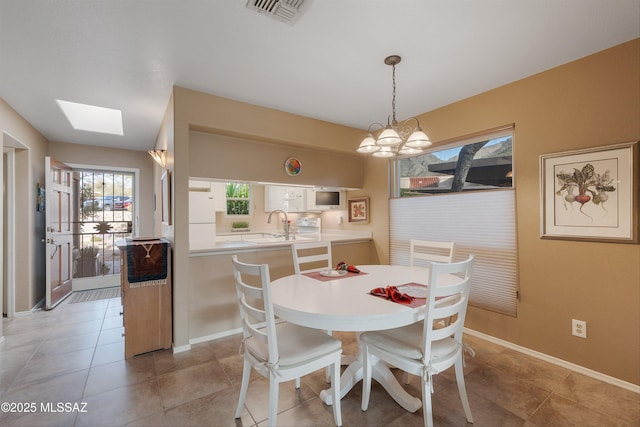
column 116, row 158
column 591, row 102
column 164, row 141
column 219, row 156
column 29, row 172
column 215, row 115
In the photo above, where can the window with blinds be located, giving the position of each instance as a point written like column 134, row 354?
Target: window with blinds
column 480, row 222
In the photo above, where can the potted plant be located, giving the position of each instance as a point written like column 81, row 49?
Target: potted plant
column 87, row 264
column 238, row 226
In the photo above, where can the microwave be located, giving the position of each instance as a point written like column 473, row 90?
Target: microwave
column 320, row 199
column 327, row 198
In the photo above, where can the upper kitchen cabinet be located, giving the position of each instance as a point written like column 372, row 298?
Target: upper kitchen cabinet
column 286, row 198
column 215, row 190
column 219, row 190
column 199, row 185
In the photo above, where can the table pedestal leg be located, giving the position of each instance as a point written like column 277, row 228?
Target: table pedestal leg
column 349, row 378
column 381, row 373
column 386, row 379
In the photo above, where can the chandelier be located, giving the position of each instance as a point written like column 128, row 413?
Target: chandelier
column 394, row 138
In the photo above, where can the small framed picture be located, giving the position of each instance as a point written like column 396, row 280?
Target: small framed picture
column 359, row 210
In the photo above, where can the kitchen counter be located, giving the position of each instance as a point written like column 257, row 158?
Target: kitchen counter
column 258, row 240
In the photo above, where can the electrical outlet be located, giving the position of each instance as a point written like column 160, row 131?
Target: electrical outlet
column 579, row 328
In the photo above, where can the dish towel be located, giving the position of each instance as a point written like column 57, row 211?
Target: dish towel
column 392, row 293
column 147, row 263
column 344, row 266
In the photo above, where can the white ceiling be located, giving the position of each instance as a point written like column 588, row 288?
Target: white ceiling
column 127, row 55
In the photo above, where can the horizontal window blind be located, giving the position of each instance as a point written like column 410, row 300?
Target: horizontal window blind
column 480, row 223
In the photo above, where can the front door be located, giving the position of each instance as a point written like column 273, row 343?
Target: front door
column 58, row 231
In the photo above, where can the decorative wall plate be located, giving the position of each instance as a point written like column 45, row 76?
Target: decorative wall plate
column 292, row 166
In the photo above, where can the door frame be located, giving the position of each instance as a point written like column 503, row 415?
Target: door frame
column 8, row 260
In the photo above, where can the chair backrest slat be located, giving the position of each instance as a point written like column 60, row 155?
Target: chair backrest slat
column 253, row 330
column 305, row 253
column 430, row 251
column 254, row 314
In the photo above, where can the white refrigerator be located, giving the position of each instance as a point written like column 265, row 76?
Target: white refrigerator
column 202, row 220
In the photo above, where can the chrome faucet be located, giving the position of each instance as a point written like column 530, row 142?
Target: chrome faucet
column 286, row 222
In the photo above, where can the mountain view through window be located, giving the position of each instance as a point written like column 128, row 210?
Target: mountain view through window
column 481, row 165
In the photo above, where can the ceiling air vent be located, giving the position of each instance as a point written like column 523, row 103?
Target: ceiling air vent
column 283, row 10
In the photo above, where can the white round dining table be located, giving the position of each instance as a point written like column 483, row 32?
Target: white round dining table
column 345, row 304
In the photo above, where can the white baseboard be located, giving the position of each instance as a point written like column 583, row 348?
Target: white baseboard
column 181, row 348
column 37, row 307
column 559, row 362
column 215, row 336
column 24, row 313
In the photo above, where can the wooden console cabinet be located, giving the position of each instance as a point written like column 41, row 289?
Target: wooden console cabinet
column 146, row 304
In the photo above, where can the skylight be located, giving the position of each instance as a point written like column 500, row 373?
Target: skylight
column 92, row 118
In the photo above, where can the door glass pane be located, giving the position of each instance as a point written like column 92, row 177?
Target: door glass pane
column 105, row 206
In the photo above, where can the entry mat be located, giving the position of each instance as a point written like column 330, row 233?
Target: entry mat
column 95, row 294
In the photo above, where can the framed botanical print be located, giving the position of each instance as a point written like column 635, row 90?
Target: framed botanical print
column 591, row 194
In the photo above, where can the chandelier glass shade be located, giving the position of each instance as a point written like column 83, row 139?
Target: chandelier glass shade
column 396, row 137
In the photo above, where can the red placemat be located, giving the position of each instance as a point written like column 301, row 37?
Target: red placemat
column 417, row 301
column 316, row 275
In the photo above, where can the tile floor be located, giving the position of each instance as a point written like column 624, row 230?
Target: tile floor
column 73, row 355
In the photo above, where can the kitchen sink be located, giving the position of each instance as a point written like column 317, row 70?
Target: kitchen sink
column 259, row 238
column 266, row 238
column 234, row 244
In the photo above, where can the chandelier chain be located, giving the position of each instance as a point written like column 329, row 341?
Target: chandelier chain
column 393, row 100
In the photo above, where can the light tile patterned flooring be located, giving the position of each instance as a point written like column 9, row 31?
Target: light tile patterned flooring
column 74, row 354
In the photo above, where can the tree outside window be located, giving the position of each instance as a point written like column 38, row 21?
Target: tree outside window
column 479, row 165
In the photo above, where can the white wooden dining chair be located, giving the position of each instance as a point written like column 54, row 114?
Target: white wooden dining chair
column 427, row 348
column 279, row 351
column 430, row 251
column 311, row 256
column 423, row 253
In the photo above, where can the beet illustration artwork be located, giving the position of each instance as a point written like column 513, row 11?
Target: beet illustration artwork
column 583, row 186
